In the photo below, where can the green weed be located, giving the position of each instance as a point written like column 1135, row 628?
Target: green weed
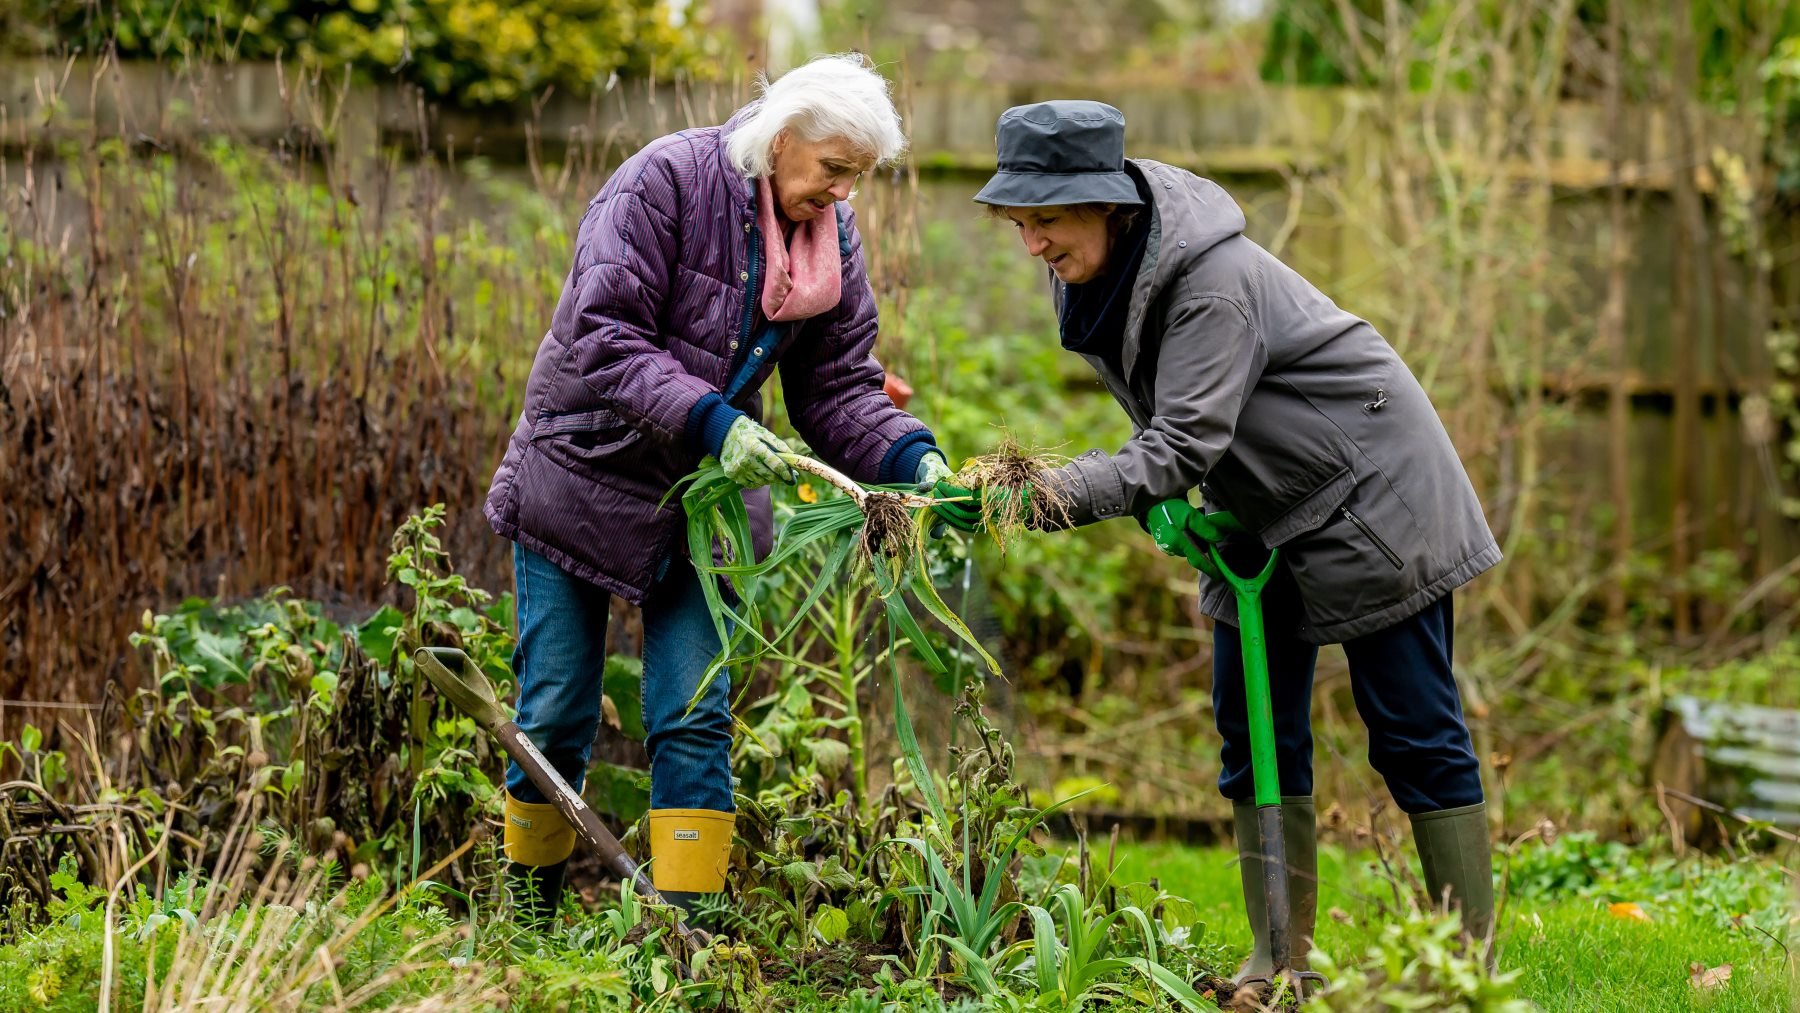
column 1560, row 941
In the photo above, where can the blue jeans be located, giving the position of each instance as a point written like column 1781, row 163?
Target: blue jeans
column 1401, row 680
column 561, row 659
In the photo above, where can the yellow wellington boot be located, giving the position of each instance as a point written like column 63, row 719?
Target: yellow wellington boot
column 689, row 852
column 537, row 843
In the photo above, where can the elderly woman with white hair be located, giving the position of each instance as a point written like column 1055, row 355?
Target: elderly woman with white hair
column 710, row 256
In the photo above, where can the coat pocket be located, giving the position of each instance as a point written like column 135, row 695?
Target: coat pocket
column 1287, row 469
column 588, row 436
column 1313, row 509
column 1368, row 532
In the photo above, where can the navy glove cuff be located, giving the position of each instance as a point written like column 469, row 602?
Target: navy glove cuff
column 901, row 462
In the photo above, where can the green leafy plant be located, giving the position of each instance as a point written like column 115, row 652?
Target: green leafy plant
column 1418, row 961
column 1576, row 864
column 966, row 917
column 878, row 527
column 328, row 728
column 466, row 51
column 1075, row 967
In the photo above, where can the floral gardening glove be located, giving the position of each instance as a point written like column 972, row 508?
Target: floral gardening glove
column 932, row 470
column 751, row 455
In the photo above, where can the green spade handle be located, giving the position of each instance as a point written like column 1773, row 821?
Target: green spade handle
column 1261, row 713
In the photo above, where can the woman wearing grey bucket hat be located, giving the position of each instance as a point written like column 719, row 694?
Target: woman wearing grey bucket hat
column 1244, row 381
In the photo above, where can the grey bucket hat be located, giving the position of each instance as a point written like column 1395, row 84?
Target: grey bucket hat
column 1059, row 152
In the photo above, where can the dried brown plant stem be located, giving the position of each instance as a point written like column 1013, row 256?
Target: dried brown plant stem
column 112, row 905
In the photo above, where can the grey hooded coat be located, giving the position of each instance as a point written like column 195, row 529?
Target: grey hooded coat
column 1245, row 381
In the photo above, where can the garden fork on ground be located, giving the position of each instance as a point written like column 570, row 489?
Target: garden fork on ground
column 464, row 685
column 1264, row 772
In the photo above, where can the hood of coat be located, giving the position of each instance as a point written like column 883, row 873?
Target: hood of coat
column 1189, row 216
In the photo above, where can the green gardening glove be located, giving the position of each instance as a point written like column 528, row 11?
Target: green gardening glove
column 966, row 513
column 751, row 455
column 932, row 470
column 1182, row 531
column 1167, row 524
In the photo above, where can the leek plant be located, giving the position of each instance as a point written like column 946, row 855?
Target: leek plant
column 872, row 536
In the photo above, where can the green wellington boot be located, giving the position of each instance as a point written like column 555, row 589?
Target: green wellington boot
column 1456, row 854
column 1300, row 834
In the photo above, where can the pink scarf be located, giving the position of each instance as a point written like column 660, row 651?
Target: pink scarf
column 805, row 274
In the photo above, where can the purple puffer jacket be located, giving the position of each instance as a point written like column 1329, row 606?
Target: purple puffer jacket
column 660, row 308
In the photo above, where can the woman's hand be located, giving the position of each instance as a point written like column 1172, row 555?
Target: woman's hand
column 965, row 511
column 1183, row 532
column 751, row 455
column 932, row 470
column 1167, row 523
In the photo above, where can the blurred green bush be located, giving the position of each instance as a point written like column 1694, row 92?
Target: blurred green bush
column 474, row 52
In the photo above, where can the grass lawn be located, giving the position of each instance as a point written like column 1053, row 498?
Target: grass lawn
column 1572, row 953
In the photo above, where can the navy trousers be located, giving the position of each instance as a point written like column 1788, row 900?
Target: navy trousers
column 1401, row 680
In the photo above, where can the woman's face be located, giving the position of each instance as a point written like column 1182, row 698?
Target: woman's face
column 810, row 176
column 1073, row 242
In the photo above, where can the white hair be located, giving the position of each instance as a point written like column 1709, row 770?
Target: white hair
column 829, row 96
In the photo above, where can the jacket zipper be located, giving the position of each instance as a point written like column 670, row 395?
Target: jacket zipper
column 742, row 351
column 1373, row 537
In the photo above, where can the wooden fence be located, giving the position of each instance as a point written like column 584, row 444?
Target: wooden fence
column 1272, row 146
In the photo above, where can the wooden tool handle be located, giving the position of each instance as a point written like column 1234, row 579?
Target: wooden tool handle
column 587, row 825
column 464, row 685
column 467, row 689
column 570, row 803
